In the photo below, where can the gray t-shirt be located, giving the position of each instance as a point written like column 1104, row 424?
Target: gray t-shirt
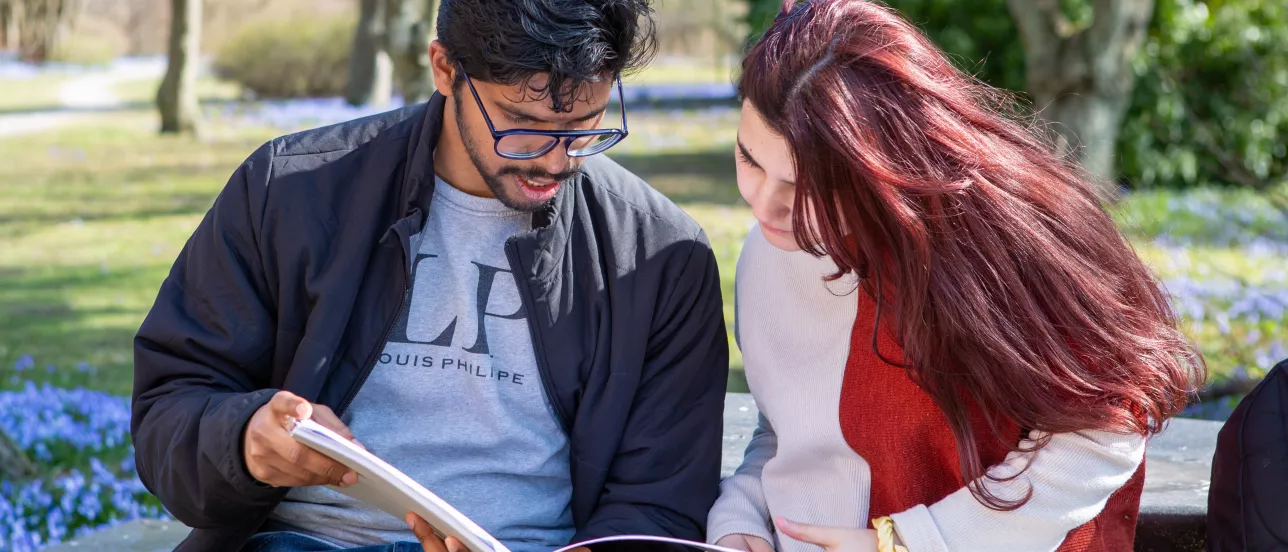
column 456, row 400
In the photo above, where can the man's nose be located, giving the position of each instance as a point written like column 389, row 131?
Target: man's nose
column 555, row 161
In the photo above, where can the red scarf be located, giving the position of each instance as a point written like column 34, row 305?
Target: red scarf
column 895, row 426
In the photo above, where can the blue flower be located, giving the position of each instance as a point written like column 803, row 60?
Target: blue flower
column 73, row 428
column 25, row 362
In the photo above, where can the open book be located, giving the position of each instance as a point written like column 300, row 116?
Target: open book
column 385, row 487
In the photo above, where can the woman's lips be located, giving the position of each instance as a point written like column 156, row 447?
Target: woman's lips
column 775, row 231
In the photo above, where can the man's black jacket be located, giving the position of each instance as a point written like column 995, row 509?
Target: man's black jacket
column 295, row 275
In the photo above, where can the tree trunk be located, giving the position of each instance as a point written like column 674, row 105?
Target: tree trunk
column 11, row 11
column 51, row 28
column 177, row 98
column 14, row 464
column 1081, row 80
column 370, row 69
column 409, row 29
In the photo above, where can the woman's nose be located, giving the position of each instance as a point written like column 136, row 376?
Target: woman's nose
column 767, row 203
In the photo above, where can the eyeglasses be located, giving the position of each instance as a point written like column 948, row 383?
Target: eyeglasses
column 522, row 143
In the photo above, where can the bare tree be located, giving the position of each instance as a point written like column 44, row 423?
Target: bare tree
column 1081, row 78
column 11, row 13
column 370, row 69
column 138, row 21
column 177, row 97
column 33, row 28
column 409, row 28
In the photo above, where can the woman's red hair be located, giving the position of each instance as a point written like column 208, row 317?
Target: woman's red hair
column 991, row 257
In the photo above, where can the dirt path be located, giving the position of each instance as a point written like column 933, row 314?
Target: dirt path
column 80, row 97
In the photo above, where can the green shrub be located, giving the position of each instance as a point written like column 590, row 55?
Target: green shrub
column 1211, row 105
column 289, row 58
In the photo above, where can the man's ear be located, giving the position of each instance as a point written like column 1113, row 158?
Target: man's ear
column 444, row 69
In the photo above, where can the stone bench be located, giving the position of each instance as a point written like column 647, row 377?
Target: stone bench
column 1172, row 508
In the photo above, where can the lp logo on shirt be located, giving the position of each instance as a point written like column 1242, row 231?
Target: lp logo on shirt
column 441, row 318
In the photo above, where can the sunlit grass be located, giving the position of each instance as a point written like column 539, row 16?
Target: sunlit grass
column 92, row 219
column 39, row 92
column 683, row 73
column 94, row 214
column 145, row 91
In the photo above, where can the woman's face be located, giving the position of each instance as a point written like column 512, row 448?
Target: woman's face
column 766, row 177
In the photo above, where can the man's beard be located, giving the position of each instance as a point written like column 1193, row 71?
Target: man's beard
column 499, row 190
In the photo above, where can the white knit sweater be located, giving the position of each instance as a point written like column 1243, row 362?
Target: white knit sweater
column 794, row 332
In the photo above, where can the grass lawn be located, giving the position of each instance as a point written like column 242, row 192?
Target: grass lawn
column 94, row 214
column 679, row 73
column 92, row 218
column 39, row 92
column 145, row 91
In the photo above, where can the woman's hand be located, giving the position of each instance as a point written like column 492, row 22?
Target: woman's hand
column 832, row 539
column 428, row 540
column 746, row 543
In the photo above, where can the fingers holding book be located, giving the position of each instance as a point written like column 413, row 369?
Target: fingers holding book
column 745, row 543
column 272, row 457
column 429, row 540
column 323, row 414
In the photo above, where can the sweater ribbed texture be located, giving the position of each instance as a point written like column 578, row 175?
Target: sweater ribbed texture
column 795, row 332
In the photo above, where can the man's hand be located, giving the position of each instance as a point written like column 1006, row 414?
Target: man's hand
column 747, row 543
column 832, row 539
column 428, row 540
column 274, row 458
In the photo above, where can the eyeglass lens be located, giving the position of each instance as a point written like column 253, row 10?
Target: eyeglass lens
column 525, row 144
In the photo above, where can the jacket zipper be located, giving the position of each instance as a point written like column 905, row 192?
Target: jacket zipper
column 379, row 348
column 366, row 371
column 525, row 294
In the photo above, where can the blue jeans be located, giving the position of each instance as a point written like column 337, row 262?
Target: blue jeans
column 290, row 541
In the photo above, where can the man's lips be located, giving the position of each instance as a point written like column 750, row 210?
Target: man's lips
column 537, row 183
column 538, row 190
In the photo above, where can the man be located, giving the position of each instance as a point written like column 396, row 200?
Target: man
column 510, row 318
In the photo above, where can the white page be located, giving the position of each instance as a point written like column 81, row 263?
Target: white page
column 648, row 538
column 385, row 487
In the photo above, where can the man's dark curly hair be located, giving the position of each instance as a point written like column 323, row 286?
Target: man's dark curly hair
column 574, row 41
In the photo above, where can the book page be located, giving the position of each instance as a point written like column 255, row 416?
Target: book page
column 649, row 539
column 385, row 487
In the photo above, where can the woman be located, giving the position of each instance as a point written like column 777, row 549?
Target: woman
column 949, row 340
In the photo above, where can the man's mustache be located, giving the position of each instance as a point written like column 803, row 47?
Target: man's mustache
column 538, row 174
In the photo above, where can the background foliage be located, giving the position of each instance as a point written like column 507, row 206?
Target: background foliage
column 1211, row 101
column 97, row 205
column 289, row 58
column 1211, row 105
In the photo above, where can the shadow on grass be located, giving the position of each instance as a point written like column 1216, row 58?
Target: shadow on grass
column 14, row 227
column 687, row 177
column 90, row 346
column 130, row 195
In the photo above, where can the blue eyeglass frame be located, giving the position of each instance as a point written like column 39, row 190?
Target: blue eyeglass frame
column 564, row 136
